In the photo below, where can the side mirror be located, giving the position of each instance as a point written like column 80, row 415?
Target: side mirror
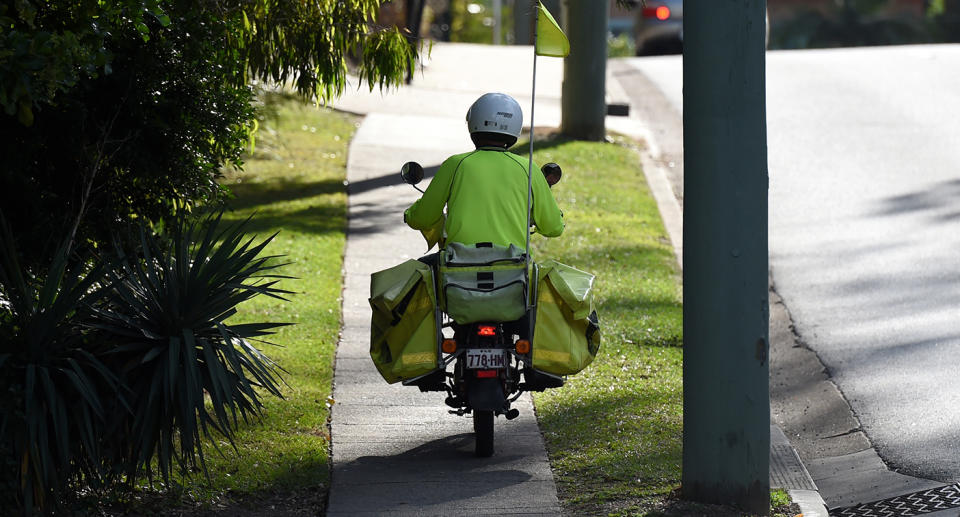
column 412, row 173
column 552, row 173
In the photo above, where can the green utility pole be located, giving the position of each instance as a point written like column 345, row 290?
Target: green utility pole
column 726, row 398
column 583, row 103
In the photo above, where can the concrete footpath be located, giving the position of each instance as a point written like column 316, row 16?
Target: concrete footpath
column 395, row 450
column 398, row 451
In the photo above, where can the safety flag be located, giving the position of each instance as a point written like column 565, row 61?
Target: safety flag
column 551, row 41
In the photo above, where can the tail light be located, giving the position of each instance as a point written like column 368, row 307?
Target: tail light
column 486, row 330
column 523, row 346
column 486, row 374
column 661, row 13
column 448, row 346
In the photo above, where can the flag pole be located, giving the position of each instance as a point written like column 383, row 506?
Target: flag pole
column 533, row 96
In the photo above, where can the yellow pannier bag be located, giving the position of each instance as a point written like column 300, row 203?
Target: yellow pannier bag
column 566, row 333
column 403, row 328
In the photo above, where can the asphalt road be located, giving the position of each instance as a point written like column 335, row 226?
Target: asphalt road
column 865, row 232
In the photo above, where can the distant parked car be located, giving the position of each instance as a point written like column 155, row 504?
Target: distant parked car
column 659, row 27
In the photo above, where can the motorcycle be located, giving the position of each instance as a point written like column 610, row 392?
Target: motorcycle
column 484, row 366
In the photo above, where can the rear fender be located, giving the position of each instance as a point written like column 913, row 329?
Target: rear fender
column 486, row 394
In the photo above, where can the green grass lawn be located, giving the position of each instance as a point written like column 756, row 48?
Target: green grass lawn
column 614, row 430
column 292, row 184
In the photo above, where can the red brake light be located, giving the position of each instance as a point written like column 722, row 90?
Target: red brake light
column 486, row 374
column 661, row 13
column 486, row 330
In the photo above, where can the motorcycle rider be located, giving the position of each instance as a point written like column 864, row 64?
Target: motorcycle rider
column 485, row 193
column 485, row 190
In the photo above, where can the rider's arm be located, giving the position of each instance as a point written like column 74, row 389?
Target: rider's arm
column 427, row 210
column 546, row 214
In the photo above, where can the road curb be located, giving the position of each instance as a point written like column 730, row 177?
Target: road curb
column 671, row 213
column 810, row 503
column 788, row 472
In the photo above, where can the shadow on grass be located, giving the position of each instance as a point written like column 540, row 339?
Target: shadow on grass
column 544, row 141
column 315, row 220
column 641, row 302
column 628, row 261
column 615, row 435
column 274, row 497
column 255, row 195
column 614, row 450
column 625, row 272
column 603, row 415
column 266, row 201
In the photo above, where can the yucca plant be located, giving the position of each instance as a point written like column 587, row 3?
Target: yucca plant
column 111, row 368
column 189, row 372
column 52, row 380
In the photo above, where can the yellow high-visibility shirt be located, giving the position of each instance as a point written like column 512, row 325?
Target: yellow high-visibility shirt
column 485, row 192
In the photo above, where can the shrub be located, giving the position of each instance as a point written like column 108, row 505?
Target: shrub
column 166, row 316
column 123, row 111
column 117, row 367
column 53, row 380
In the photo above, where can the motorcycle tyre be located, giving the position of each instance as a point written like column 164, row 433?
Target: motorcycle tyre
column 483, row 432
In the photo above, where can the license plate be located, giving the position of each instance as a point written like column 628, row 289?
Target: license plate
column 486, row 358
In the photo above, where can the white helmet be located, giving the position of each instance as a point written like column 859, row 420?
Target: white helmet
column 495, row 113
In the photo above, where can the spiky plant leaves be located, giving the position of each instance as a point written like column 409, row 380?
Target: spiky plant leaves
column 112, row 369
column 52, row 412
column 190, row 372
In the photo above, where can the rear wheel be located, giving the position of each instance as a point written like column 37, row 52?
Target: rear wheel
column 483, row 430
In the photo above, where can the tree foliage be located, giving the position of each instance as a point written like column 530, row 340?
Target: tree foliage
column 128, row 109
column 123, row 112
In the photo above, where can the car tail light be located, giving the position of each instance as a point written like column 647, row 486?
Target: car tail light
column 486, row 374
column 661, row 13
column 486, row 330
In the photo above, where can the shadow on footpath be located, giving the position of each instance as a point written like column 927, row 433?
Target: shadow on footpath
column 449, row 463
column 387, row 180
column 378, row 216
column 375, row 218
